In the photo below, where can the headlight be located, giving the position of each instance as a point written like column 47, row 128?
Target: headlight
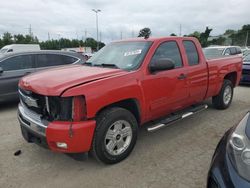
column 238, row 148
column 66, row 108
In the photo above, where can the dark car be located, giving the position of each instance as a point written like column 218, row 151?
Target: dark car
column 245, row 79
column 13, row 66
column 230, row 166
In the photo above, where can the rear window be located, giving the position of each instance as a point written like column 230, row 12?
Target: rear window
column 47, row 60
column 192, row 54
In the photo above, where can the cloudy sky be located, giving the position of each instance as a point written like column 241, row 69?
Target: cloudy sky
column 120, row 18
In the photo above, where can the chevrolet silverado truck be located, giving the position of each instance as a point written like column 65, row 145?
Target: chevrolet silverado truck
column 98, row 106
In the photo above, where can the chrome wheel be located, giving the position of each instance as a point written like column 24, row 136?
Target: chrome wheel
column 227, row 95
column 118, row 137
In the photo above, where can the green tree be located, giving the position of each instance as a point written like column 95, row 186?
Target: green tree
column 204, row 37
column 145, row 32
column 7, row 38
column 172, row 34
column 195, row 34
column 229, row 32
column 218, row 41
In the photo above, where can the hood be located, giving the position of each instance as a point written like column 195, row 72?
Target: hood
column 53, row 82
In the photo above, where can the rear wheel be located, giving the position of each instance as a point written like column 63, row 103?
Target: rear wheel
column 224, row 98
column 115, row 135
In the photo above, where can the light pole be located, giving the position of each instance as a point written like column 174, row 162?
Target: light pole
column 97, row 34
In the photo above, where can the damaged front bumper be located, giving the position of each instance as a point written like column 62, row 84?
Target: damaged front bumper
column 60, row 136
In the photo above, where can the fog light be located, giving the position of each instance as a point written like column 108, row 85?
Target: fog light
column 246, row 156
column 61, row 145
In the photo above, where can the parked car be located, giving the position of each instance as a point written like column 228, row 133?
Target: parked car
column 245, row 79
column 100, row 104
column 20, row 48
column 230, row 166
column 13, row 66
column 218, row 51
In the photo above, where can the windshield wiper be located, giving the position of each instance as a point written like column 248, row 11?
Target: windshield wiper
column 107, row 65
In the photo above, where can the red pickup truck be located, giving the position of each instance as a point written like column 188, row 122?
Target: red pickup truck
column 98, row 106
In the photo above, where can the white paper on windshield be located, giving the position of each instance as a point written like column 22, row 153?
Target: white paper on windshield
column 135, row 52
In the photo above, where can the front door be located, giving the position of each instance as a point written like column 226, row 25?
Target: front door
column 166, row 91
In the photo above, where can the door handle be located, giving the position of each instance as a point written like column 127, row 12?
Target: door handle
column 182, row 76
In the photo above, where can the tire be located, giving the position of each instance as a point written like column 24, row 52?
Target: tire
column 224, row 98
column 115, row 135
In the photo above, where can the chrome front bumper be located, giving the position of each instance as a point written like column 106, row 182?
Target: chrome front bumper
column 31, row 120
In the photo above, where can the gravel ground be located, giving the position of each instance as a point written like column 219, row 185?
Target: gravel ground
column 176, row 156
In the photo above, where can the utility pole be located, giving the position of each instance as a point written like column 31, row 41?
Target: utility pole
column 85, row 32
column 30, row 31
column 246, row 40
column 97, row 34
column 180, row 30
column 48, row 36
column 121, row 35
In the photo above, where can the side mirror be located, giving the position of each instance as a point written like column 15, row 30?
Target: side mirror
column 161, row 64
column 1, row 70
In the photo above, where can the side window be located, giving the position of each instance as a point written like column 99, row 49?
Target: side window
column 47, row 60
column 227, row 52
column 233, row 51
column 17, row 63
column 168, row 50
column 191, row 51
column 238, row 50
column 68, row 59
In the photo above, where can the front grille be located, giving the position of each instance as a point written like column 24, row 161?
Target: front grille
column 59, row 108
column 246, row 71
column 40, row 100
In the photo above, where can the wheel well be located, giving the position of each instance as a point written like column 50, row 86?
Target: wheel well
column 232, row 77
column 131, row 105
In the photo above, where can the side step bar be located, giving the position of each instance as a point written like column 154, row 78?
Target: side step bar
column 176, row 117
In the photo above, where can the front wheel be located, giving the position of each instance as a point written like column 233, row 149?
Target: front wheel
column 115, row 135
column 224, row 98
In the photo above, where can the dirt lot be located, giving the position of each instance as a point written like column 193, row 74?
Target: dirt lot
column 177, row 156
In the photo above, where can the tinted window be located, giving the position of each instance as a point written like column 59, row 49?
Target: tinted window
column 17, row 63
column 191, row 51
column 68, row 59
column 47, row 60
column 238, row 50
column 168, row 50
column 233, row 51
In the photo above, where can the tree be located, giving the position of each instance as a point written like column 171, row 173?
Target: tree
column 145, row 32
column 172, row 34
column 229, row 32
column 7, row 38
column 195, row 34
column 204, row 36
column 218, row 41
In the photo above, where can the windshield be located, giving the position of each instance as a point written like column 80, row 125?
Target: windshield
column 122, row 55
column 213, row 52
column 3, row 50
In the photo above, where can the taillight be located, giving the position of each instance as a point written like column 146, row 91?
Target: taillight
column 79, row 108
